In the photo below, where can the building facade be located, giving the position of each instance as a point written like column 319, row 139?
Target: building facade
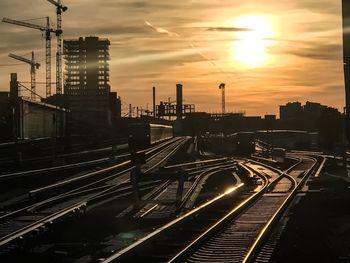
column 291, row 111
column 39, row 120
column 23, row 118
column 87, row 66
column 5, row 117
column 87, row 89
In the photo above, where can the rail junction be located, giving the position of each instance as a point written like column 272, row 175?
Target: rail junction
column 210, row 209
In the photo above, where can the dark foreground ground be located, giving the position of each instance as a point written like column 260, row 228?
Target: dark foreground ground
column 319, row 226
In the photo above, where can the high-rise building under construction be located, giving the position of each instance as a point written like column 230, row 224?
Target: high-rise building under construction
column 87, row 66
column 86, row 87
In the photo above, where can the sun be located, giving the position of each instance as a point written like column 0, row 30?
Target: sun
column 250, row 48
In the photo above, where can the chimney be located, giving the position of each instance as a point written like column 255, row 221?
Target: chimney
column 179, row 101
column 154, row 102
column 14, row 87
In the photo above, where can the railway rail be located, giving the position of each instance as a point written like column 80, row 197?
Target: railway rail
column 110, row 183
column 46, row 185
column 39, row 153
column 215, row 233
column 164, row 204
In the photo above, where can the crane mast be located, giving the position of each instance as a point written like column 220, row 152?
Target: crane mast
column 33, row 67
column 59, row 10
column 48, row 30
column 48, row 58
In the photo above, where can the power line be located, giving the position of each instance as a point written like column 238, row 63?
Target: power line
column 11, row 65
column 27, row 82
column 20, row 84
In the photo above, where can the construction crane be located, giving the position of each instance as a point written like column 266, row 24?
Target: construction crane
column 33, row 67
column 48, row 30
column 222, row 87
column 59, row 10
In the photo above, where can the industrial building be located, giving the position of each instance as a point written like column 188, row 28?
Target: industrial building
column 23, row 118
column 86, row 89
column 308, row 117
column 291, row 111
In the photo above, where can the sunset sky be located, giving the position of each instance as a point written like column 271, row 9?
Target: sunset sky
column 267, row 52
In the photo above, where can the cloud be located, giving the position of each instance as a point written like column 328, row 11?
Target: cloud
column 227, row 29
column 162, row 30
column 183, row 41
column 317, row 51
column 191, row 44
column 156, row 56
column 321, row 6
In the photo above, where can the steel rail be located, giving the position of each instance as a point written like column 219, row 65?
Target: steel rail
column 62, row 196
column 275, row 218
column 37, row 224
column 184, row 253
column 198, row 178
column 77, row 165
column 97, row 173
column 179, row 221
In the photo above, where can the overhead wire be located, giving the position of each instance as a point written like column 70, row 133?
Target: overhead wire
column 12, row 65
column 33, row 19
column 21, row 85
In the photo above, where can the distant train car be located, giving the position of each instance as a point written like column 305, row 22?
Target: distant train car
column 288, row 139
column 279, row 154
column 244, row 143
column 142, row 135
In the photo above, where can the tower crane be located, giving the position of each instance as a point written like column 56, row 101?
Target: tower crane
column 222, row 87
column 48, row 30
column 33, row 67
column 59, row 10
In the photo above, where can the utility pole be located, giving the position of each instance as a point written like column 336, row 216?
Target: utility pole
column 222, row 87
column 344, row 140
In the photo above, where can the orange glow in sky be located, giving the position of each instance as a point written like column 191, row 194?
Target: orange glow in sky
column 267, row 52
column 251, row 48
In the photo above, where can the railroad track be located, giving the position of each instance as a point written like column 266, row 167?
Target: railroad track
column 47, row 188
column 215, row 234
column 40, row 156
column 17, row 224
column 236, row 240
column 163, row 204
